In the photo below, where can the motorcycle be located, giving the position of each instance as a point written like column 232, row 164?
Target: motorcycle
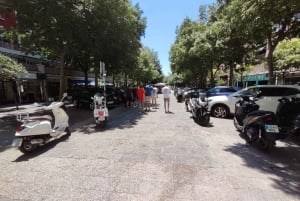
column 256, row 125
column 288, row 113
column 100, row 109
column 37, row 130
column 199, row 109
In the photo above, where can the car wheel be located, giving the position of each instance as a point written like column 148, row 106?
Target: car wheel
column 220, row 111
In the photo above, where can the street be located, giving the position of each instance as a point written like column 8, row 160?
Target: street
column 151, row 156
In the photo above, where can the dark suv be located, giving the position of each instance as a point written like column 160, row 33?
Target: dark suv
column 82, row 97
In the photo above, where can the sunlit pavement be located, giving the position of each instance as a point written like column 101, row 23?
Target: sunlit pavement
column 151, row 156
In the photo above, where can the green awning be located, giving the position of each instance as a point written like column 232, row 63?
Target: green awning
column 256, row 77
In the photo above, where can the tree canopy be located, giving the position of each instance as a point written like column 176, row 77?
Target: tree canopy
column 92, row 30
column 287, row 54
column 232, row 33
column 9, row 68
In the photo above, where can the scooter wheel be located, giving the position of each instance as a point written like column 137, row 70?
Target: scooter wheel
column 203, row 120
column 264, row 143
column 26, row 146
column 68, row 132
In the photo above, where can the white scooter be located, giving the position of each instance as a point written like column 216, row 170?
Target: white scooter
column 100, row 110
column 37, row 130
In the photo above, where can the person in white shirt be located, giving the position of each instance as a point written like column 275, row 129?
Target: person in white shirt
column 154, row 96
column 166, row 91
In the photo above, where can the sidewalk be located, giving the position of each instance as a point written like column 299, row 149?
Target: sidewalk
column 9, row 110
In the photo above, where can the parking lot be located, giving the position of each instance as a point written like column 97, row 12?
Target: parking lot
column 150, row 156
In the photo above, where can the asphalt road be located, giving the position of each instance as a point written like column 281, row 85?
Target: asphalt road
column 151, row 156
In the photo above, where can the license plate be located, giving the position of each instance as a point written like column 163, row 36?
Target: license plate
column 101, row 113
column 110, row 102
column 17, row 142
column 272, row 128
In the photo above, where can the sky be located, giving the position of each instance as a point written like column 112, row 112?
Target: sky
column 163, row 17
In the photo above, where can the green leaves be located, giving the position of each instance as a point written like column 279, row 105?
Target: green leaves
column 149, row 68
column 287, row 54
column 9, row 68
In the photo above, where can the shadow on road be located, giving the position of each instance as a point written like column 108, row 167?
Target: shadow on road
column 284, row 162
column 42, row 149
column 120, row 118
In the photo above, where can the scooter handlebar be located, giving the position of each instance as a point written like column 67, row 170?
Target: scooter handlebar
column 54, row 105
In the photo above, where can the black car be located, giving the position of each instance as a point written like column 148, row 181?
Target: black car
column 82, row 96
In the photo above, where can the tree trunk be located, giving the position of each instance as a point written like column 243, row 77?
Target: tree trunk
column 86, row 80
column 96, row 76
column 212, row 79
column 231, row 76
column 269, row 55
column 62, row 75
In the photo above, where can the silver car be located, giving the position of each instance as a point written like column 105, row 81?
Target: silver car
column 223, row 106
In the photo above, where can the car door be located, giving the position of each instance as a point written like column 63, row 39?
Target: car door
column 270, row 95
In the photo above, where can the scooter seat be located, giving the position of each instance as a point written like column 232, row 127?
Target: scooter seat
column 44, row 117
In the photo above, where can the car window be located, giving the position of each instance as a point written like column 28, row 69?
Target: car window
column 278, row 91
column 291, row 92
column 231, row 90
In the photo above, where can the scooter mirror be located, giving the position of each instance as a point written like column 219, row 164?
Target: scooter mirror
column 64, row 96
column 258, row 94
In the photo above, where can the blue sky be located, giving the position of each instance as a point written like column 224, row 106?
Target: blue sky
column 163, row 16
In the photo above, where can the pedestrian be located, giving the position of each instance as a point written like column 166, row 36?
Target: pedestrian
column 148, row 93
column 154, row 96
column 141, row 96
column 128, row 97
column 166, row 91
column 15, row 91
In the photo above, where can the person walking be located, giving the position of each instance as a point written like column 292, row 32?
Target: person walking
column 129, row 97
column 141, row 96
column 166, row 91
column 148, row 94
column 154, row 96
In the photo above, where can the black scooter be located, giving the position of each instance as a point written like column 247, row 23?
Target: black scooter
column 199, row 109
column 288, row 113
column 256, row 125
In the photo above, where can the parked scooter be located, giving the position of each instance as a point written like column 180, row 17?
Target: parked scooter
column 37, row 130
column 288, row 113
column 100, row 109
column 257, row 125
column 199, row 109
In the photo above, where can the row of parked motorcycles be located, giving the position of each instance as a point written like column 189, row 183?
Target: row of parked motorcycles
column 36, row 131
column 259, row 127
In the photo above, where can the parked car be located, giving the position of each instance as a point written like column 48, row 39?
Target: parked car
column 81, row 96
column 223, row 106
column 221, row 91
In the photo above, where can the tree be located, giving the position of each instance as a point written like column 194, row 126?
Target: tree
column 186, row 54
column 149, row 68
column 287, row 55
column 264, row 23
column 47, row 28
column 89, row 30
column 9, row 68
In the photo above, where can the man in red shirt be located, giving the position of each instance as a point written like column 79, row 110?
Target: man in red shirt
column 141, row 97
